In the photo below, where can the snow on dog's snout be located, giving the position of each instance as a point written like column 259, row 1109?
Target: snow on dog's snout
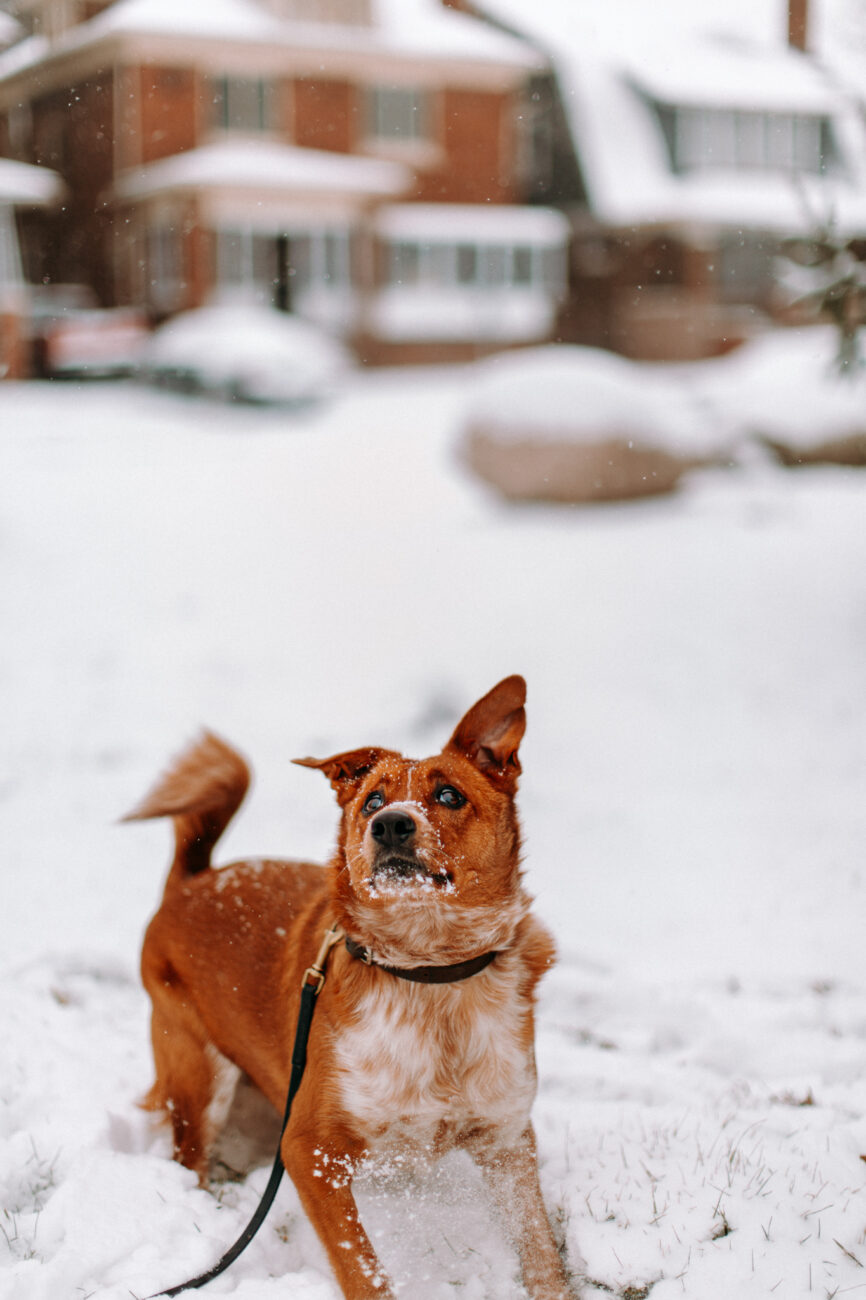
column 401, row 846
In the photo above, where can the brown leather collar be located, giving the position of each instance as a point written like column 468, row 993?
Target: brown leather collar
column 461, row 970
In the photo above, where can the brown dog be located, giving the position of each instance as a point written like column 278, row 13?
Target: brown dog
column 426, row 874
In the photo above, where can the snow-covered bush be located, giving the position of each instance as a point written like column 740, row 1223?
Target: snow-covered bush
column 571, row 424
column 247, row 353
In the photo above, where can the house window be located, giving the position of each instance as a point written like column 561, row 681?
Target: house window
column 476, row 266
column 282, row 270
column 246, row 260
column 165, row 266
column 404, row 263
column 467, row 263
column 534, row 136
column 744, row 267
column 243, row 104
column 20, row 131
column 10, row 260
column 398, row 113
column 747, row 140
column 522, row 265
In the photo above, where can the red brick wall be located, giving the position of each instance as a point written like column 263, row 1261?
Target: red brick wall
column 321, row 114
column 13, row 360
column 168, row 111
column 73, row 132
column 475, row 127
column 199, row 259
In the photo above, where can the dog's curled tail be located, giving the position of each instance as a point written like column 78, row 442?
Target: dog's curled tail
column 200, row 791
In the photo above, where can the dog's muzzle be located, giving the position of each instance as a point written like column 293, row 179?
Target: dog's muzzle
column 396, row 859
column 394, row 835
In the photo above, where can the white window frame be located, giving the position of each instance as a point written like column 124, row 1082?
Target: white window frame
column 398, row 114
column 229, row 111
column 418, row 264
column 166, row 282
column 240, row 262
column 741, row 140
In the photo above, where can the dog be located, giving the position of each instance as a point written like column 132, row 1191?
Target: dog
column 423, row 1036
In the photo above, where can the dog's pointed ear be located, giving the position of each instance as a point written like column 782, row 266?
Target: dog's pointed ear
column 490, row 733
column 344, row 771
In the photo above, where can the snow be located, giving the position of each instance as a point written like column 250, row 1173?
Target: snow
column 247, row 350
column 503, row 314
column 585, row 395
column 263, row 165
column 472, row 222
column 10, row 30
column 713, row 54
column 716, row 408
column 410, row 27
column 736, row 75
column 29, row 186
column 243, row 20
column 634, row 183
column 666, row 22
column 692, row 800
column 426, row 27
column 749, row 390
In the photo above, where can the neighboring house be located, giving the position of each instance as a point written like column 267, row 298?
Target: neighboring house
column 368, row 164
column 696, row 158
column 22, row 188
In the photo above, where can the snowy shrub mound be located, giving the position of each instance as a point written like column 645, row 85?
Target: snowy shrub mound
column 786, row 390
column 564, row 423
column 247, row 353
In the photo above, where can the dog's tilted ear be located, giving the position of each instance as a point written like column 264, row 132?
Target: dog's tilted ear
column 490, row 733
column 344, row 771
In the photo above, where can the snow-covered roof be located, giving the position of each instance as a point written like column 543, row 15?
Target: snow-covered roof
column 626, row 162
column 724, row 73
column 21, row 184
column 229, row 19
column 427, row 27
column 10, row 30
column 412, row 28
column 558, row 24
column 265, row 166
column 432, row 222
column 615, row 60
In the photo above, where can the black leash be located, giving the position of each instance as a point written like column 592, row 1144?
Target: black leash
column 311, row 987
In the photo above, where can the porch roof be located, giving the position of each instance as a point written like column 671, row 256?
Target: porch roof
column 266, row 167
column 26, row 186
column 472, row 222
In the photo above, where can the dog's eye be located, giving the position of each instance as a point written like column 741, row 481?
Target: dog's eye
column 449, row 797
column 374, row 802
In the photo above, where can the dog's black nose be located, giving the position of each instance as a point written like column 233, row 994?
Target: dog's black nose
column 392, row 828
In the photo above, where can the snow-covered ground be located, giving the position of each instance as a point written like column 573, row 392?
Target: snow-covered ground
column 693, row 800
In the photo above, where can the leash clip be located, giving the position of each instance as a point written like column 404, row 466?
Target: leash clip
column 314, row 976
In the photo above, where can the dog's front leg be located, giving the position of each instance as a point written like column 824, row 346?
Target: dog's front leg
column 322, row 1166
column 512, row 1175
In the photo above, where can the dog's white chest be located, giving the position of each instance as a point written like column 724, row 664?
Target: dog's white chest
column 425, row 1059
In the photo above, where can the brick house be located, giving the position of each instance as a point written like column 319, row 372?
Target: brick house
column 369, row 164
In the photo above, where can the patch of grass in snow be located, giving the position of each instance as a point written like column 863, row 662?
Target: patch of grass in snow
column 25, row 1197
